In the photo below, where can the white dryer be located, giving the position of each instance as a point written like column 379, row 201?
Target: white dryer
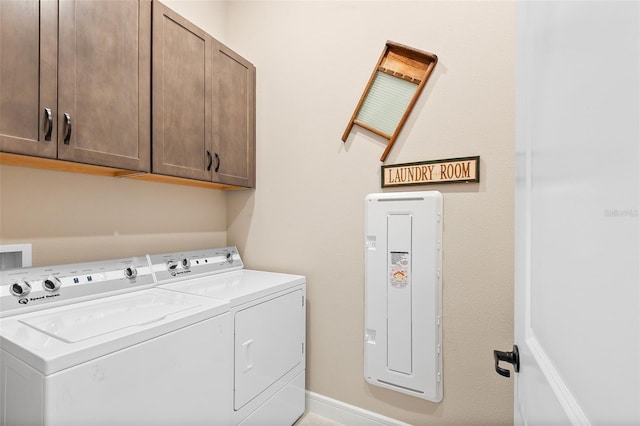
column 94, row 344
column 268, row 311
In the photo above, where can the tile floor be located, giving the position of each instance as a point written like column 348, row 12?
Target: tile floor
column 312, row 419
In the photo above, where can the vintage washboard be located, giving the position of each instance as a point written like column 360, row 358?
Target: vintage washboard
column 393, row 89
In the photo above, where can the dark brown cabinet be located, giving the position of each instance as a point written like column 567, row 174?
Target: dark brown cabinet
column 235, row 139
column 78, row 90
column 104, row 82
column 28, row 77
column 182, row 97
column 76, row 79
column 203, row 105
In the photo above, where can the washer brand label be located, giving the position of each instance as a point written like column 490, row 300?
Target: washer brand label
column 26, row 300
column 176, row 273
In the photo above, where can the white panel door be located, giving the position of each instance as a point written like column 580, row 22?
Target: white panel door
column 577, row 213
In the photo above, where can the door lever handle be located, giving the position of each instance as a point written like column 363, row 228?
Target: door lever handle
column 510, row 357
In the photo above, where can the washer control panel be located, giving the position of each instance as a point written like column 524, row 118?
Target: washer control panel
column 176, row 266
column 34, row 288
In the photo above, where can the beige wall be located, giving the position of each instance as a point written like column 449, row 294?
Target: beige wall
column 306, row 216
column 210, row 15
column 72, row 217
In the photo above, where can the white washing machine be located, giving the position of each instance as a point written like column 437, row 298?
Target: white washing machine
column 95, row 344
column 268, row 312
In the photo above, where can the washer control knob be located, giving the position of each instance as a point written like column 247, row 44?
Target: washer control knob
column 229, row 257
column 186, row 263
column 20, row 288
column 51, row 283
column 171, row 265
column 130, row 272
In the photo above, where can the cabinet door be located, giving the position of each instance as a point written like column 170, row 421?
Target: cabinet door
column 235, row 153
column 28, row 55
column 104, row 82
column 182, row 96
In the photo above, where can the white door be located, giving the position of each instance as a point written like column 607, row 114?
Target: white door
column 577, row 213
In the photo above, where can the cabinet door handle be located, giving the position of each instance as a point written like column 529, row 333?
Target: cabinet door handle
column 67, row 128
column 217, row 163
column 48, row 118
column 210, row 160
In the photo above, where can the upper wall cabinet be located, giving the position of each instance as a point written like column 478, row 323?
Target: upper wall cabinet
column 104, row 82
column 203, row 104
column 182, row 96
column 235, row 120
column 76, row 78
column 80, row 90
column 28, row 82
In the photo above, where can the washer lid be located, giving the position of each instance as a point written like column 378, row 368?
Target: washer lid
column 62, row 337
column 86, row 322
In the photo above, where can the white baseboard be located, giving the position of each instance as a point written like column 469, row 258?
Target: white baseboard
column 346, row 414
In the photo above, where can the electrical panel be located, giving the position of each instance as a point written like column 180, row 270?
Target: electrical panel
column 403, row 292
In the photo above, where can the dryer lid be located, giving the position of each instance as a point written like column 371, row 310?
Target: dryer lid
column 239, row 287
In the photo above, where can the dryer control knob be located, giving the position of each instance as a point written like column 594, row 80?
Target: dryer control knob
column 51, row 283
column 186, row 263
column 20, row 288
column 171, row 265
column 130, row 272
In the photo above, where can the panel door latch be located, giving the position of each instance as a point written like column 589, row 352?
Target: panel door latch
column 510, row 357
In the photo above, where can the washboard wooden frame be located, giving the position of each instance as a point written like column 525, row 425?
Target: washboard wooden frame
column 405, row 63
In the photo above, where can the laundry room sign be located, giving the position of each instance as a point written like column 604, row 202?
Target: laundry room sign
column 454, row 170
